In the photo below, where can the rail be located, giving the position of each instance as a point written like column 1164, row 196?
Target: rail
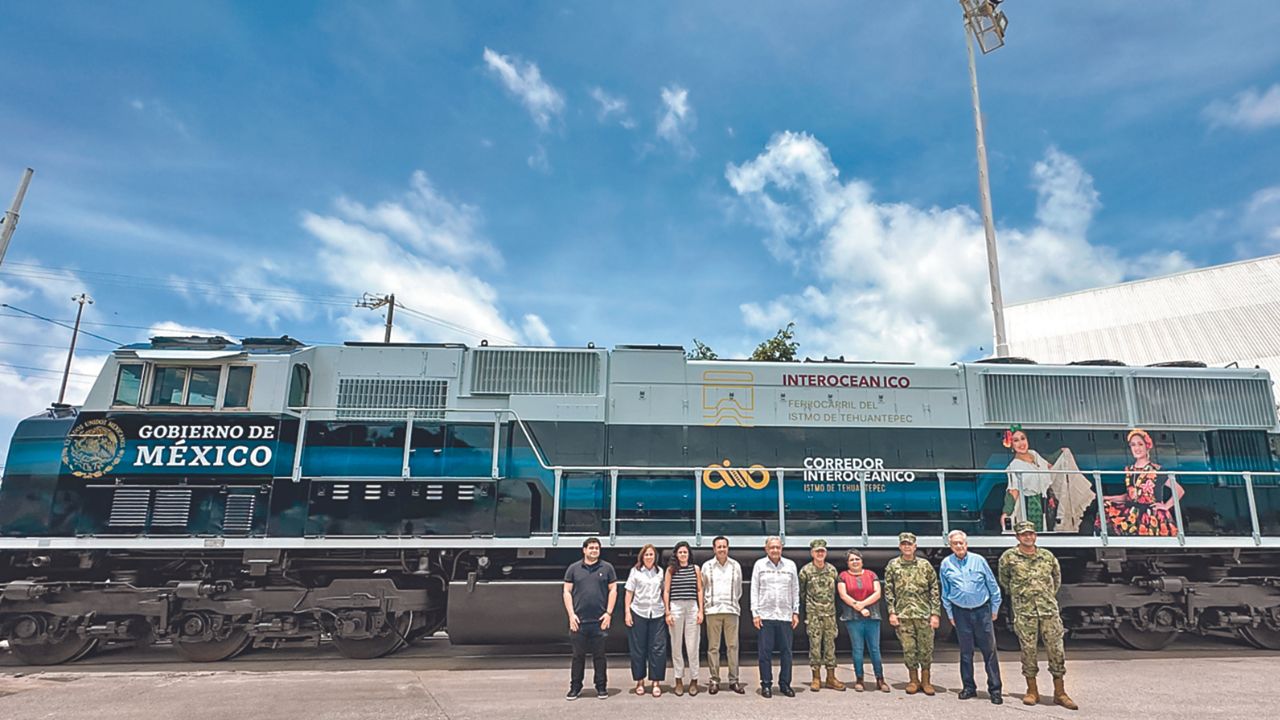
column 1164, row 511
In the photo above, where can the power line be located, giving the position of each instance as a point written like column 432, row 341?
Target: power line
column 43, row 370
column 40, row 345
column 46, row 272
column 55, row 322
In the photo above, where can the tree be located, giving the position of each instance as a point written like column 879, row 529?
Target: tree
column 779, row 348
column 700, row 351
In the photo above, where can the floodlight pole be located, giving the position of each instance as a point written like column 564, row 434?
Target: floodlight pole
column 9, row 222
column 984, row 190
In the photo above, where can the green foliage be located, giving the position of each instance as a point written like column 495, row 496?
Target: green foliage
column 700, row 351
column 779, row 348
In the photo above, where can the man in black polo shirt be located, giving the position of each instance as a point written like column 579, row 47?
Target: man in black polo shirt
column 590, row 591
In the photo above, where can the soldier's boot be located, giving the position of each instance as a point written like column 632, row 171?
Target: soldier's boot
column 816, row 685
column 913, row 685
column 1033, row 695
column 925, row 685
column 833, row 682
column 1060, row 696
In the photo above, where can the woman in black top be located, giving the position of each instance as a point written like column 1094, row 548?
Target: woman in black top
column 683, row 596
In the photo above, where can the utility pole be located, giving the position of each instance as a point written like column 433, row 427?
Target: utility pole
column 10, row 221
column 373, row 302
column 83, row 299
column 987, row 24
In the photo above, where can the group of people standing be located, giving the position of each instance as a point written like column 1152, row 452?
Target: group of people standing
column 675, row 601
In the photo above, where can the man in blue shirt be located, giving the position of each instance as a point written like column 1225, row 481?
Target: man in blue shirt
column 971, row 597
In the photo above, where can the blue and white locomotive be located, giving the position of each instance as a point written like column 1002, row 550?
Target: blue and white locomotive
column 220, row 495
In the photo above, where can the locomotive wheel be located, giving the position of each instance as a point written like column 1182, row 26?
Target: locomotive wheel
column 214, row 650
column 53, row 653
column 390, row 640
column 1261, row 636
column 1135, row 638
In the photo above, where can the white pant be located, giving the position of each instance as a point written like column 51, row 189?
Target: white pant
column 685, row 633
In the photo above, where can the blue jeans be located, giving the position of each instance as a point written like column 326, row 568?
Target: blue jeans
column 775, row 635
column 865, row 635
column 647, row 642
column 974, row 627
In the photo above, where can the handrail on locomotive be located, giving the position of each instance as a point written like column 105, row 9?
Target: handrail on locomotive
column 413, row 415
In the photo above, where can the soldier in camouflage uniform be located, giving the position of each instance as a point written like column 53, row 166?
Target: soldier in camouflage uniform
column 1031, row 577
column 818, row 590
column 915, row 608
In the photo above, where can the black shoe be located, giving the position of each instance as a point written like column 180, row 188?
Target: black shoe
column 737, row 687
column 786, row 690
column 766, row 691
column 602, row 693
column 997, row 699
column 714, row 687
column 968, row 694
column 572, row 694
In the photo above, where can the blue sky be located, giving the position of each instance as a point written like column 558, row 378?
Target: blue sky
column 613, row 172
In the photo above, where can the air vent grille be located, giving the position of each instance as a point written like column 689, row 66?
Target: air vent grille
column 1054, row 399
column 373, row 491
column 172, row 508
column 341, row 491
column 435, row 492
column 428, row 397
column 466, row 492
column 1210, row 402
column 237, row 519
column 129, row 507
column 535, row 372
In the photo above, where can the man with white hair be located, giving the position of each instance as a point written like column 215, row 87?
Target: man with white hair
column 971, row 598
column 775, row 611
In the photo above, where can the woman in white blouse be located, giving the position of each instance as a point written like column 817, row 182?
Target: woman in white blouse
column 646, row 626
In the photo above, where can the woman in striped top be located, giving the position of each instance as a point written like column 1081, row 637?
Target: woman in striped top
column 683, row 595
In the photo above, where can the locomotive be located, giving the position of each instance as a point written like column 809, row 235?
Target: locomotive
column 221, row 495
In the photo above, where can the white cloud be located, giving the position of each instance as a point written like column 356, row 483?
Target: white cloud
column 428, row 222
column 539, row 160
column 535, row 330
column 893, row 281
column 1261, row 219
column 677, row 119
column 524, row 80
column 1248, row 110
column 158, row 110
column 612, row 106
column 360, row 252
column 171, row 328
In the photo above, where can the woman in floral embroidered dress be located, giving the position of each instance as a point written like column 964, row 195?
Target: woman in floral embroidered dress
column 1143, row 509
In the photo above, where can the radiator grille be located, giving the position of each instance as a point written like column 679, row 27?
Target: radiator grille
column 129, row 507
column 526, row 372
column 172, row 508
column 237, row 518
column 429, row 397
column 1215, row 402
column 1058, row 399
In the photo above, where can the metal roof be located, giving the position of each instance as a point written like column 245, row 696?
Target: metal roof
column 1222, row 314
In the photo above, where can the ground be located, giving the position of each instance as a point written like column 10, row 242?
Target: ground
column 1197, row 678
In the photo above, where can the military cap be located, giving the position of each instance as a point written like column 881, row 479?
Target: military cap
column 906, row 537
column 1024, row 526
column 819, row 543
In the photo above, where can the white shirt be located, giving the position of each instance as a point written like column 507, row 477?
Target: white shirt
column 722, row 586
column 645, row 587
column 775, row 590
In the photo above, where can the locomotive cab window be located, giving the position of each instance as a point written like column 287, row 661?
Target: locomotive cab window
column 198, row 386
column 299, row 386
column 128, row 385
column 239, row 380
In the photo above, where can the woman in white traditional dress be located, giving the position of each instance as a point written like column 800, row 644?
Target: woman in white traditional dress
column 1054, row 496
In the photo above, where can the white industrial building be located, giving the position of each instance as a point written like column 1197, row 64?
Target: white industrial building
column 1218, row 315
